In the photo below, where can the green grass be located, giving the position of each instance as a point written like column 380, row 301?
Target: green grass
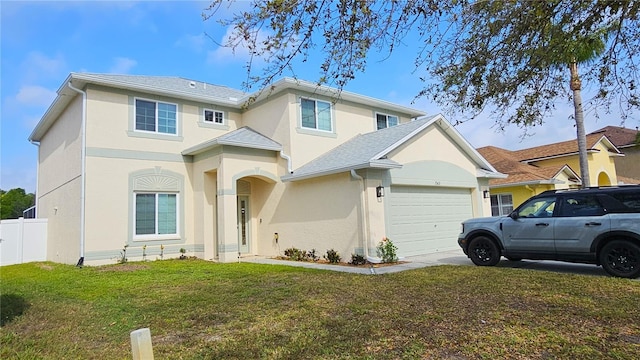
column 203, row 310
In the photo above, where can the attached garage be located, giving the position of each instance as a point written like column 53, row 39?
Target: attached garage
column 426, row 219
column 417, row 182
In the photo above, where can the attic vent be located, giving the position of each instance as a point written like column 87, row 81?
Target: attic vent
column 192, row 84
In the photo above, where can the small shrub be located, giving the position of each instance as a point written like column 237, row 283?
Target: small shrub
column 123, row 255
column 311, row 255
column 332, row 256
column 387, row 251
column 295, row 254
column 357, row 260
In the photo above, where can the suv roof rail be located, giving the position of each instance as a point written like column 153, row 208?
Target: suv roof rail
column 608, row 187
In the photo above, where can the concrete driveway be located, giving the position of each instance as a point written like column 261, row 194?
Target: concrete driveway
column 450, row 257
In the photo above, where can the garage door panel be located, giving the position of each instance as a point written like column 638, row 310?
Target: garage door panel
column 427, row 219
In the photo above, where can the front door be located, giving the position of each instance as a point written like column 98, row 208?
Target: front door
column 243, row 224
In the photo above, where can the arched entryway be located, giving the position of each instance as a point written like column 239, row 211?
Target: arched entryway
column 252, row 190
column 604, row 179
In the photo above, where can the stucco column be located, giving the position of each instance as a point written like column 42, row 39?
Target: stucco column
column 227, row 227
column 376, row 214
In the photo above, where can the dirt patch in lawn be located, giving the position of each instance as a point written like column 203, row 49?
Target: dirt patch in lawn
column 124, row 267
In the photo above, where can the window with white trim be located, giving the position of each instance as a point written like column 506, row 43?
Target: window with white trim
column 315, row 114
column 156, row 116
column 501, row 204
column 156, row 214
column 384, row 121
column 213, row 116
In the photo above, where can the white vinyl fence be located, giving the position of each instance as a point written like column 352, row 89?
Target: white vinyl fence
column 23, row 240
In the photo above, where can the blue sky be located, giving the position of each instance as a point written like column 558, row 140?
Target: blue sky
column 42, row 42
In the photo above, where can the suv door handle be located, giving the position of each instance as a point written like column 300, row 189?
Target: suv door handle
column 542, row 224
column 593, row 223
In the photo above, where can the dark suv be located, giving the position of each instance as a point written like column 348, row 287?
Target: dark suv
column 595, row 225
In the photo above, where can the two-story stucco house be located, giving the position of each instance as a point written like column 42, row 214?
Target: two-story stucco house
column 534, row 170
column 161, row 164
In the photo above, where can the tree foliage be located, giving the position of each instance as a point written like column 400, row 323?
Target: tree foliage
column 508, row 57
column 14, row 202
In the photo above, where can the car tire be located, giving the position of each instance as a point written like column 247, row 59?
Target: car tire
column 621, row 258
column 484, row 251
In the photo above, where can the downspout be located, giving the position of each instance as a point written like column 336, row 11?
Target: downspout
column 83, row 155
column 37, row 143
column 288, row 158
column 365, row 210
column 533, row 192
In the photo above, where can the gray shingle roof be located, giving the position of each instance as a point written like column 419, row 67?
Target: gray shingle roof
column 362, row 151
column 169, row 85
column 242, row 137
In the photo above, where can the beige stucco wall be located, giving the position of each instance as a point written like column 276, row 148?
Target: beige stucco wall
column 433, row 144
column 111, row 123
column 270, row 118
column 59, row 183
column 434, row 159
column 322, row 213
column 279, row 118
column 109, row 210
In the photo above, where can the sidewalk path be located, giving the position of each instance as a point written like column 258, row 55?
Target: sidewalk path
column 449, row 257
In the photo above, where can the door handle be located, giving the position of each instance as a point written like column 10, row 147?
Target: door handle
column 593, row 223
column 542, row 224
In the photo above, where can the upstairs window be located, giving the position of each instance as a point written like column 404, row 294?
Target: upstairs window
column 316, row 114
column 212, row 116
column 155, row 116
column 384, row 121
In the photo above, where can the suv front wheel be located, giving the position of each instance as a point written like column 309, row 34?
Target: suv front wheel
column 621, row 258
column 484, row 251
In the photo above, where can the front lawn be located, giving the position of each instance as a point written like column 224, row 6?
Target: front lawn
column 203, row 310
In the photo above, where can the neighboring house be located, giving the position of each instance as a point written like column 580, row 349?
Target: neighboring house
column 627, row 141
column 160, row 164
column 547, row 167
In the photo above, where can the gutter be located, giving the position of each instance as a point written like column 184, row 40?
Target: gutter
column 37, row 143
column 288, row 158
column 83, row 156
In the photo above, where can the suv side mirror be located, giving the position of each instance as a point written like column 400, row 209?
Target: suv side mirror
column 514, row 215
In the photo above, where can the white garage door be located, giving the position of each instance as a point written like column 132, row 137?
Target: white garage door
column 427, row 219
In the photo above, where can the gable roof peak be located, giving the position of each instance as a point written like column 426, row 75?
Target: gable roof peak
column 619, row 136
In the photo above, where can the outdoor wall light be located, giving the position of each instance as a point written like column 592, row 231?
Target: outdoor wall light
column 275, row 237
column 379, row 191
column 486, row 194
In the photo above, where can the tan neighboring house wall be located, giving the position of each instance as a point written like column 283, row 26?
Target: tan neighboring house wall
column 629, row 165
column 256, row 184
column 626, row 140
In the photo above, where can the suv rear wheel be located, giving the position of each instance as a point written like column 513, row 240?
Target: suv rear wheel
column 484, row 251
column 621, row 258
